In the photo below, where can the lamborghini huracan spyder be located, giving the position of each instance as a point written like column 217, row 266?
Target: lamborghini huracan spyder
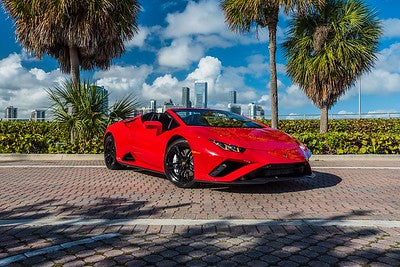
column 205, row 145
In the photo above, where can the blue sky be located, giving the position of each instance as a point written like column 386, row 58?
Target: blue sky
column 183, row 41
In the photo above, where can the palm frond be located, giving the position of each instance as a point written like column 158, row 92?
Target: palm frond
column 123, row 108
column 331, row 47
column 98, row 28
column 81, row 108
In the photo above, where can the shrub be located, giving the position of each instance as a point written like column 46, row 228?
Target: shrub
column 367, row 136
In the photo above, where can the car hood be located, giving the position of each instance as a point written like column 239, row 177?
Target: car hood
column 252, row 138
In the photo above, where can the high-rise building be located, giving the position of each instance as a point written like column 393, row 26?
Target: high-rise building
column 235, row 108
column 259, row 112
column 232, row 97
column 38, row 115
column 186, row 97
column 103, row 93
column 10, row 113
column 252, row 111
column 200, row 94
column 153, row 105
column 168, row 105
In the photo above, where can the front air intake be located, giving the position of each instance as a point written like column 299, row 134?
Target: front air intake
column 226, row 168
column 128, row 157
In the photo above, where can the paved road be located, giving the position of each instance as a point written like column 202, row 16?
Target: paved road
column 34, row 192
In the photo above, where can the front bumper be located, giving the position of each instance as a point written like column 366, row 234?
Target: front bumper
column 265, row 180
column 252, row 166
column 274, row 173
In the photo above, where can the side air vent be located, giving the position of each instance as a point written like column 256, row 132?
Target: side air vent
column 128, row 157
column 226, row 168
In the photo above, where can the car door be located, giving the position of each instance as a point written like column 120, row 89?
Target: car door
column 150, row 145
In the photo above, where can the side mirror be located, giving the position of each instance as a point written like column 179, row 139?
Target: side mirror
column 153, row 125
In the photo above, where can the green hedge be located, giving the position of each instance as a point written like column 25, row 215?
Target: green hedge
column 351, row 126
column 367, row 136
column 42, row 138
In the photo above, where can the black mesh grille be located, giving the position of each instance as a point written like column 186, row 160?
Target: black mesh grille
column 280, row 170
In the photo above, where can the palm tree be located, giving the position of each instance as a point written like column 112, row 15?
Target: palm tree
column 241, row 15
column 329, row 48
column 90, row 117
column 78, row 33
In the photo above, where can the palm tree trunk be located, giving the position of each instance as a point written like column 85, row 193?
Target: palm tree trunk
column 75, row 75
column 74, row 59
column 323, row 125
column 272, row 28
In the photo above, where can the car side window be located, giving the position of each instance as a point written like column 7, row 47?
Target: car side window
column 173, row 124
column 167, row 121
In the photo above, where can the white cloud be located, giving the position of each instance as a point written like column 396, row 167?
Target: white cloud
column 344, row 112
column 293, row 98
column 293, row 116
column 209, row 68
column 385, row 77
column 391, row 28
column 163, row 88
column 382, row 113
column 204, row 17
column 199, row 27
column 181, row 53
column 381, row 81
column 139, row 39
column 122, row 80
column 265, row 102
column 213, row 40
column 24, row 88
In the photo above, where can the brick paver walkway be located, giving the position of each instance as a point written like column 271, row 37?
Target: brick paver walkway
column 96, row 193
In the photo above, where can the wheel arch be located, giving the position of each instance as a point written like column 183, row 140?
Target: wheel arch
column 173, row 139
column 107, row 135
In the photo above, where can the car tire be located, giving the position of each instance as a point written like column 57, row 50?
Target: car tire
column 179, row 165
column 110, row 158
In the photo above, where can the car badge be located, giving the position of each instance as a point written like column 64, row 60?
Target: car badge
column 285, row 155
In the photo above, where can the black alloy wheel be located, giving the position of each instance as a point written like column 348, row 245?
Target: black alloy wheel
column 110, row 154
column 178, row 164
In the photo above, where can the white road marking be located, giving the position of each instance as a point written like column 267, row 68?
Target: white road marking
column 43, row 251
column 51, row 166
column 356, row 168
column 189, row 222
column 102, row 166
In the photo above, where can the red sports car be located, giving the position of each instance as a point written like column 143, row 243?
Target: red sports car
column 205, row 145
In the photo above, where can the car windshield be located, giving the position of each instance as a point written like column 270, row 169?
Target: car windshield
column 215, row 118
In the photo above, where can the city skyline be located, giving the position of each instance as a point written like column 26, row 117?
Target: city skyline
column 254, row 111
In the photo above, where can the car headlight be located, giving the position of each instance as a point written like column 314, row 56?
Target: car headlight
column 307, row 153
column 229, row 147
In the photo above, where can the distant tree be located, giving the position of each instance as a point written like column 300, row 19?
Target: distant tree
column 77, row 33
column 329, row 48
column 89, row 118
column 241, row 15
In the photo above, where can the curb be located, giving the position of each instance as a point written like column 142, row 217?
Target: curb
column 355, row 157
column 91, row 157
column 50, row 157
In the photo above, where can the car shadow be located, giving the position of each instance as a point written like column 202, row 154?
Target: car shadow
column 321, row 180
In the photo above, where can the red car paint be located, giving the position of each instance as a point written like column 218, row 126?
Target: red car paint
column 147, row 144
